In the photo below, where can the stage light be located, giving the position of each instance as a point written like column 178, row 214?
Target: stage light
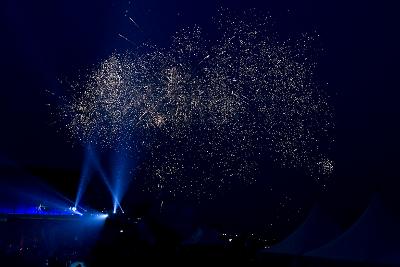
column 102, row 216
column 116, row 183
column 75, row 211
column 115, row 207
column 121, row 165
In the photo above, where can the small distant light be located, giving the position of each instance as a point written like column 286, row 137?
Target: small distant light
column 73, row 209
column 230, row 239
column 121, row 231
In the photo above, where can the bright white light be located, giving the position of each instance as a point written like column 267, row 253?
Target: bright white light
column 121, row 231
column 102, row 216
column 75, row 211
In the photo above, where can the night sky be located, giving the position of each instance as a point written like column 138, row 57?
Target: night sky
column 42, row 42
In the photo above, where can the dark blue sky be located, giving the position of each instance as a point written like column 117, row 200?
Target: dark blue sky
column 42, row 41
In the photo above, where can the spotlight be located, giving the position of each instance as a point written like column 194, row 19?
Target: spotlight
column 78, row 213
column 74, row 210
column 102, row 216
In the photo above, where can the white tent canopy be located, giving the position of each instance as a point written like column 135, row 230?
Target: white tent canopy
column 373, row 238
column 317, row 229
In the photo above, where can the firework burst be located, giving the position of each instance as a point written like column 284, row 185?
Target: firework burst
column 201, row 113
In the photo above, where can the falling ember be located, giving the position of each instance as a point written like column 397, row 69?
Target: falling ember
column 202, row 112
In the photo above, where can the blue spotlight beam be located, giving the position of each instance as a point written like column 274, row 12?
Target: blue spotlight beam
column 85, row 176
column 121, row 165
column 104, row 177
column 106, row 181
